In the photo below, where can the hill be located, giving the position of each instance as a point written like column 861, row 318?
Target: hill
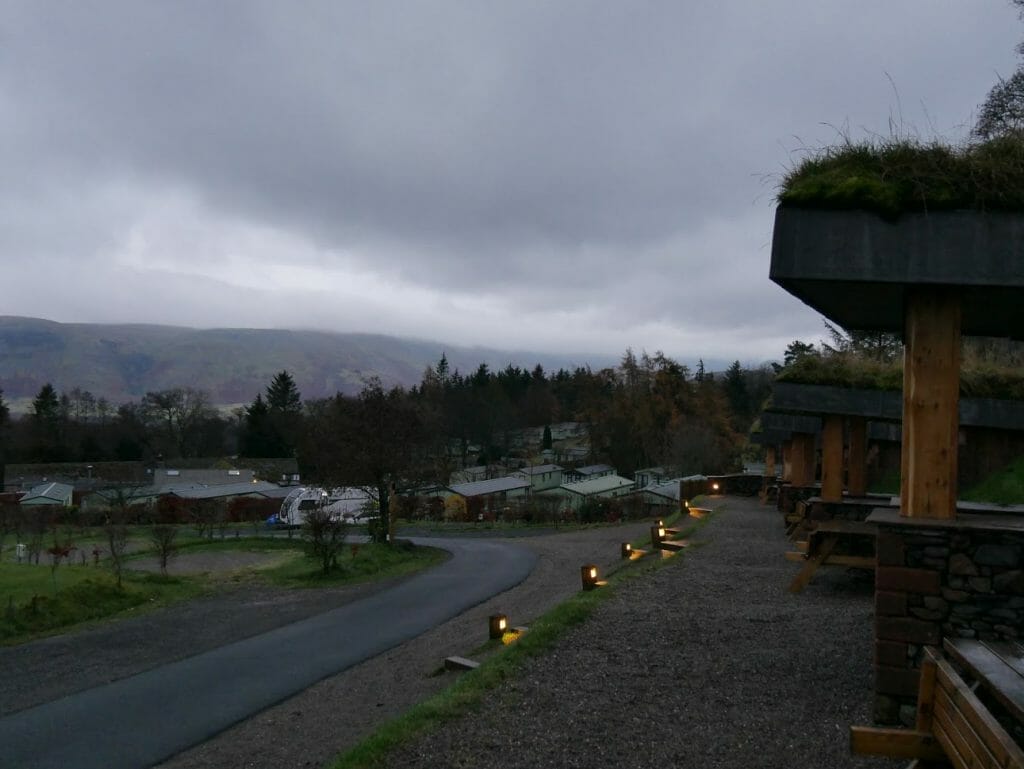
column 123, row 362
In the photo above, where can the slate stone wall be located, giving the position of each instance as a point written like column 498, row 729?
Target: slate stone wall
column 960, row 580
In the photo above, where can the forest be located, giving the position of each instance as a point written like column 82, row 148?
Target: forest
column 648, row 410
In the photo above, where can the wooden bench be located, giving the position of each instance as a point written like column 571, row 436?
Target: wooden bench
column 953, row 726
column 833, row 543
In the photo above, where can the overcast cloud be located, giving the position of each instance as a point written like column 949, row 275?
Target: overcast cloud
column 549, row 175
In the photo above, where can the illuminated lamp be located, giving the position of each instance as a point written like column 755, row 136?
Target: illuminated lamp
column 588, row 573
column 497, row 624
column 657, row 534
column 627, row 550
column 714, row 486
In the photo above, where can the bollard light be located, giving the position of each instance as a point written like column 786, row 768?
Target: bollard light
column 497, row 624
column 657, row 535
column 588, row 574
column 627, row 550
column 714, row 486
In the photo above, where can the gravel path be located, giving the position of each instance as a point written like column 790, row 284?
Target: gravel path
column 708, row 662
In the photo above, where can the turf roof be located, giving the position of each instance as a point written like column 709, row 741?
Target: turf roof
column 895, row 177
column 978, row 381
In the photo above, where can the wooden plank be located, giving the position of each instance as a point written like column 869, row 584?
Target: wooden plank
column 960, row 738
column 840, row 526
column 1010, row 652
column 787, row 460
column 1003, row 748
column 926, row 694
column 832, row 458
column 931, row 392
column 1003, row 681
column 460, row 663
column 803, row 462
column 866, row 562
column 949, row 747
column 895, row 743
column 811, row 565
column 673, row 544
column 857, row 457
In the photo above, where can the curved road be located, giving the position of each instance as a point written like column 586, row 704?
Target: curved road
column 142, row 720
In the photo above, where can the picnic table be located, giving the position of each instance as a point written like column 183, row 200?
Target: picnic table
column 838, row 543
column 997, row 666
column 954, row 724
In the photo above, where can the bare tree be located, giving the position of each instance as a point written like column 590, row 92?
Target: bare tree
column 325, row 537
column 10, row 522
column 120, row 500
column 163, row 535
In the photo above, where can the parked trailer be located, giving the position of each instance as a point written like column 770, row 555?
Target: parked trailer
column 347, row 504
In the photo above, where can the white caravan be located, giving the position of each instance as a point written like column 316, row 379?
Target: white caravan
column 352, row 505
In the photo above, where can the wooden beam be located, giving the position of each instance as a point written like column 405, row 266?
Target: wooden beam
column 802, row 464
column 811, row 564
column 857, row 458
column 769, row 461
column 832, row 458
column 787, row 460
column 895, row 743
column 931, row 393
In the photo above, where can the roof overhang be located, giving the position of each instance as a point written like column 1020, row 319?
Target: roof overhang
column 855, row 267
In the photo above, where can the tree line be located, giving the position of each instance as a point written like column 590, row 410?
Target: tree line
column 648, row 410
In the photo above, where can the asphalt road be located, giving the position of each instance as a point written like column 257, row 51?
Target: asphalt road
column 142, row 720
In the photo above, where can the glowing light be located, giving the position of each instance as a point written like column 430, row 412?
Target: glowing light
column 714, row 486
column 497, row 624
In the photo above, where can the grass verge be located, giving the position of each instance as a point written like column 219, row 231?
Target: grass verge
column 36, row 604
column 357, row 563
column 468, row 691
column 36, row 600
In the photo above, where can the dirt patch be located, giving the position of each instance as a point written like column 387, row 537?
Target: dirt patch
column 221, row 562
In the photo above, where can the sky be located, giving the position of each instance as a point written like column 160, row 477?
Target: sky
column 544, row 175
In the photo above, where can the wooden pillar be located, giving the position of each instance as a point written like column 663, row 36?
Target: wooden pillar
column 769, row 461
column 857, row 458
column 803, row 464
column 931, row 394
column 832, row 458
column 787, row 460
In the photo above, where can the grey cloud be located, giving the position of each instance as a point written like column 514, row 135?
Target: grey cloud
column 606, row 157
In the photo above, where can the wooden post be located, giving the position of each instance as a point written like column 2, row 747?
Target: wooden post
column 803, row 464
column 769, row 461
column 931, row 394
column 832, row 458
column 857, row 458
column 787, row 460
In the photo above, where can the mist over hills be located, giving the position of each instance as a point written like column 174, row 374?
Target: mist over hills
column 122, row 362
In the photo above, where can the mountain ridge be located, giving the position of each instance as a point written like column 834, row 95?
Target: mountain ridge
column 121, row 362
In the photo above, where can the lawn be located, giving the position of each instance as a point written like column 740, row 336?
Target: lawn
column 36, row 599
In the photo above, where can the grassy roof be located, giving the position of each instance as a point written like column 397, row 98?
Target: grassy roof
column 895, row 177
column 982, row 380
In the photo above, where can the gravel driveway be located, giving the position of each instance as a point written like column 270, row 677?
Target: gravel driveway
column 707, row 663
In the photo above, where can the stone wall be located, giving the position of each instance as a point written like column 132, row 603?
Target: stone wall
column 961, row 578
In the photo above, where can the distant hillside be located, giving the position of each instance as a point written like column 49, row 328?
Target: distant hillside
column 123, row 362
